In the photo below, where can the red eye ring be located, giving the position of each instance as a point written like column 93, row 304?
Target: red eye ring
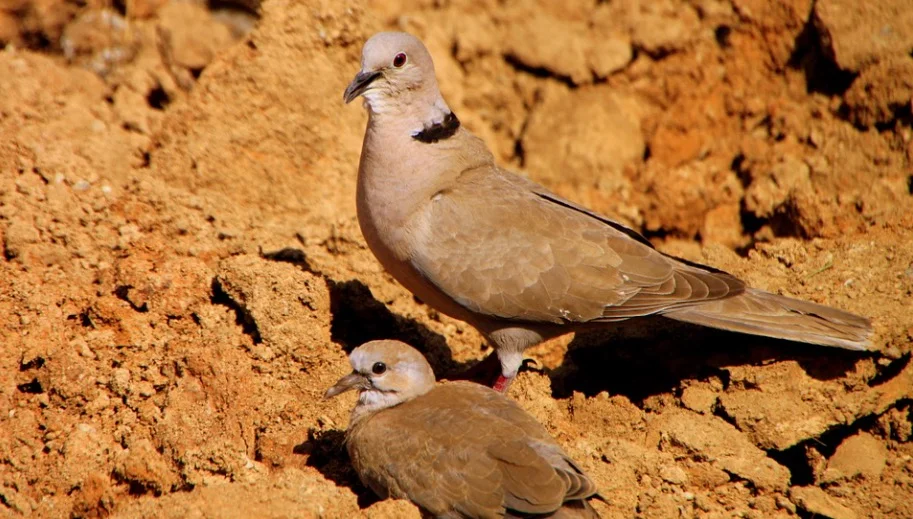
column 399, row 60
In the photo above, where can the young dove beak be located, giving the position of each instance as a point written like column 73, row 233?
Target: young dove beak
column 514, row 260
column 353, row 380
column 455, row 449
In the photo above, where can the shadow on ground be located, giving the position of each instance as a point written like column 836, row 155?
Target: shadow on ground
column 327, row 453
column 652, row 356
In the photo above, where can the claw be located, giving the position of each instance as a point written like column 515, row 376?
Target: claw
column 531, row 364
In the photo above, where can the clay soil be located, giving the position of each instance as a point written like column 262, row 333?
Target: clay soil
column 182, row 274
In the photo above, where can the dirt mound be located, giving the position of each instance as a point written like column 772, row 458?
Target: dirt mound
column 182, row 273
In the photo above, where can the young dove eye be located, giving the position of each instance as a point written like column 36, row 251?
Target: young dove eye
column 379, row 368
column 467, row 237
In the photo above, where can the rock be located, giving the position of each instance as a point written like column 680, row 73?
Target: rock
column 771, row 188
column 682, row 195
column 142, row 465
column 673, row 474
column 817, row 502
column 134, row 110
column 286, row 493
column 723, row 224
column 85, row 450
column 856, row 34
column 567, row 48
column 882, row 92
column 102, row 401
column 297, row 43
column 154, row 283
column 13, row 6
column 91, row 496
column 9, row 28
column 785, row 504
column 609, row 54
column 776, row 424
column 560, row 149
column 192, row 427
column 120, row 381
column 860, row 454
column 144, row 8
column 392, row 508
column 145, row 388
column 19, row 235
column 543, row 42
column 718, row 442
column 196, row 37
column 698, row 398
column 99, row 40
column 707, row 476
column 18, row 501
column 896, row 424
column 784, row 405
column 287, row 307
column 662, row 27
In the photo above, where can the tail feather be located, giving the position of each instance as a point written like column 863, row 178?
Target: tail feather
column 761, row 313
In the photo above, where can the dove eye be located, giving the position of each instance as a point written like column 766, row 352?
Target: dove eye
column 379, row 368
column 398, row 61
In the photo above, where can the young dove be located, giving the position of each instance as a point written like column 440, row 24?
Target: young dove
column 517, row 262
column 455, row 449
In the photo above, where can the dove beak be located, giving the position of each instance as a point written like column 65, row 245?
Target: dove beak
column 354, row 380
column 358, row 85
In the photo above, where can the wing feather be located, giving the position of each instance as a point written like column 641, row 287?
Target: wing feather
column 536, row 257
column 465, row 450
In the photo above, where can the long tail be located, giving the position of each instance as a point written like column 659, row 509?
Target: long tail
column 761, row 313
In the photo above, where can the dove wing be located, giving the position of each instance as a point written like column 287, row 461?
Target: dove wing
column 501, row 246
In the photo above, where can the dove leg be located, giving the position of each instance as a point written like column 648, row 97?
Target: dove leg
column 500, row 368
column 488, row 372
column 502, row 384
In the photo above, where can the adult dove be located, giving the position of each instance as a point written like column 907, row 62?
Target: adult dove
column 455, row 449
column 514, row 260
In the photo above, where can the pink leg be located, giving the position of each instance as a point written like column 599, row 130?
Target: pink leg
column 502, row 384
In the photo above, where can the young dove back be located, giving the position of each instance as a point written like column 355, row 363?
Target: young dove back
column 514, row 260
column 455, row 449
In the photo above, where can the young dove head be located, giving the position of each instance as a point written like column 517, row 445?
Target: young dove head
column 397, row 75
column 385, row 373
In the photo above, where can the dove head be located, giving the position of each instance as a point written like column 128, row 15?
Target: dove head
column 397, row 75
column 385, row 373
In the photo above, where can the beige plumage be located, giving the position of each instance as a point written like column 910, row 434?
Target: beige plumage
column 455, row 449
column 519, row 263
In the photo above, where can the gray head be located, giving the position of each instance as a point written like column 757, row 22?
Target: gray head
column 397, row 73
column 385, row 373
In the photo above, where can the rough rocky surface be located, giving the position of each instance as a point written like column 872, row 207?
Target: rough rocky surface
column 855, row 35
column 181, row 272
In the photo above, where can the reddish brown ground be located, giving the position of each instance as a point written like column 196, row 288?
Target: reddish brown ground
column 160, row 360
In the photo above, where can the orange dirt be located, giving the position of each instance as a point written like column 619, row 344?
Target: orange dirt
column 182, row 272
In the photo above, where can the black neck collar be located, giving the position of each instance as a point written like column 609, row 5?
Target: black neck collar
column 439, row 131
